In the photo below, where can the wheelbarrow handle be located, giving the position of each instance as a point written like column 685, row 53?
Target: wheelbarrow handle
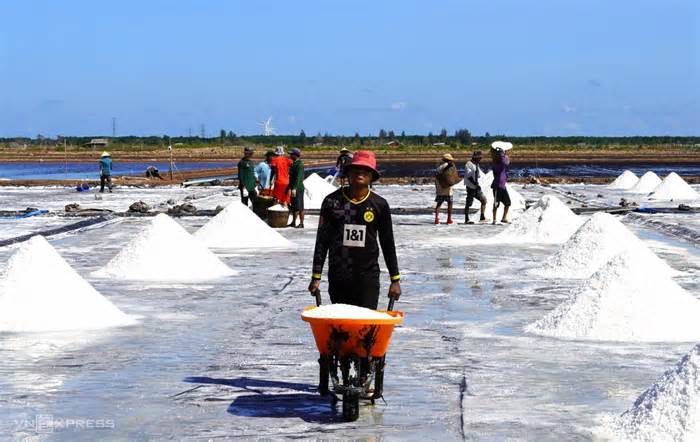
column 317, row 295
column 391, row 304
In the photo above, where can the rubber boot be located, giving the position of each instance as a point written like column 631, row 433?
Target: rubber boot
column 437, row 219
column 449, row 219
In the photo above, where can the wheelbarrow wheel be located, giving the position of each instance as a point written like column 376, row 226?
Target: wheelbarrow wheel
column 351, row 406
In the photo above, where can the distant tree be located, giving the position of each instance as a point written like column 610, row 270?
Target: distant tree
column 431, row 138
column 463, row 136
column 403, row 135
column 382, row 134
column 392, row 135
column 487, row 135
column 302, row 137
column 222, row 135
column 356, row 140
column 319, row 139
column 443, row 135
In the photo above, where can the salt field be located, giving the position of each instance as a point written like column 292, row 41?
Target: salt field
column 501, row 339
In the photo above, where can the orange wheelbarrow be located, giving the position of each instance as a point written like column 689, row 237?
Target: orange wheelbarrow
column 352, row 355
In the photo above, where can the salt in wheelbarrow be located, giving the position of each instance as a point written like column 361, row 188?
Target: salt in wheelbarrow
column 352, row 356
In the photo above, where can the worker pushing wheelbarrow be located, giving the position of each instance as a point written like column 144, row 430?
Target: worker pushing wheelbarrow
column 352, row 342
column 353, row 223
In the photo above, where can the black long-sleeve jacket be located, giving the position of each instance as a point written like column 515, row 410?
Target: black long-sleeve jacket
column 348, row 231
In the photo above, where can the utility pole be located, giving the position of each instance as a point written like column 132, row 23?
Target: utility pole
column 170, row 172
column 202, row 133
column 114, row 127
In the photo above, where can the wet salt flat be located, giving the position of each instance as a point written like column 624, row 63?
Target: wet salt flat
column 230, row 357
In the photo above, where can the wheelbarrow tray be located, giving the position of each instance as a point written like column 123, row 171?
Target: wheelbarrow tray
column 360, row 337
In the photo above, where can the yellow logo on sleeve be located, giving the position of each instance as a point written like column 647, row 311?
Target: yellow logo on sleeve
column 369, row 216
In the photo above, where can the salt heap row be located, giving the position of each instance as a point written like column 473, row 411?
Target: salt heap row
column 238, row 227
column 629, row 295
column 58, row 300
column 164, row 251
column 673, row 187
column 669, row 409
column 315, row 190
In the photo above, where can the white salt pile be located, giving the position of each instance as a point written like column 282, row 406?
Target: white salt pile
column 238, row 227
column 626, row 180
column 278, row 208
column 164, row 251
column 592, row 245
column 39, row 291
column 646, row 184
column 548, row 221
column 344, row 311
column 626, row 300
column 669, row 409
column 673, row 187
column 315, row 190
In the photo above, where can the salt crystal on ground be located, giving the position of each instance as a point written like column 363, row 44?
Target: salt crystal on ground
column 548, row 221
column 673, row 187
column 646, row 184
column 238, row 227
column 40, row 291
column 315, row 190
column 164, row 251
column 625, row 300
column 344, row 311
column 669, row 409
column 592, row 245
column 626, row 180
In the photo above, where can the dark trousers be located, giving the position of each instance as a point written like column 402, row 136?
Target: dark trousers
column 105, row 179
column 252, row 196
column 473, row 194
column 362, row 291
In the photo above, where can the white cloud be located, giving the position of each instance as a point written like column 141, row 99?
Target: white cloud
column 291, row 119
column 398, row 105
column 568, row 109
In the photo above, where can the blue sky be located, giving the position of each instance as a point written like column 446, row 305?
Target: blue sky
column 545, row 67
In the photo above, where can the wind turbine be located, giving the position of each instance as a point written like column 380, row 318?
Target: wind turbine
column 267, row 127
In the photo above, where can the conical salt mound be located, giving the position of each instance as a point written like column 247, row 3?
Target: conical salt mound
column 548, row 221
column 315, row 190
column 669, row 409
column 238, row 227
column 592, row 245
column 626, row 300
column 164, row 251
column 673, row 187
column 39, row 291
column 626, row 180
column 646, row 184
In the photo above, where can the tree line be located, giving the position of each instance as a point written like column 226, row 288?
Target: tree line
column 461, row 137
